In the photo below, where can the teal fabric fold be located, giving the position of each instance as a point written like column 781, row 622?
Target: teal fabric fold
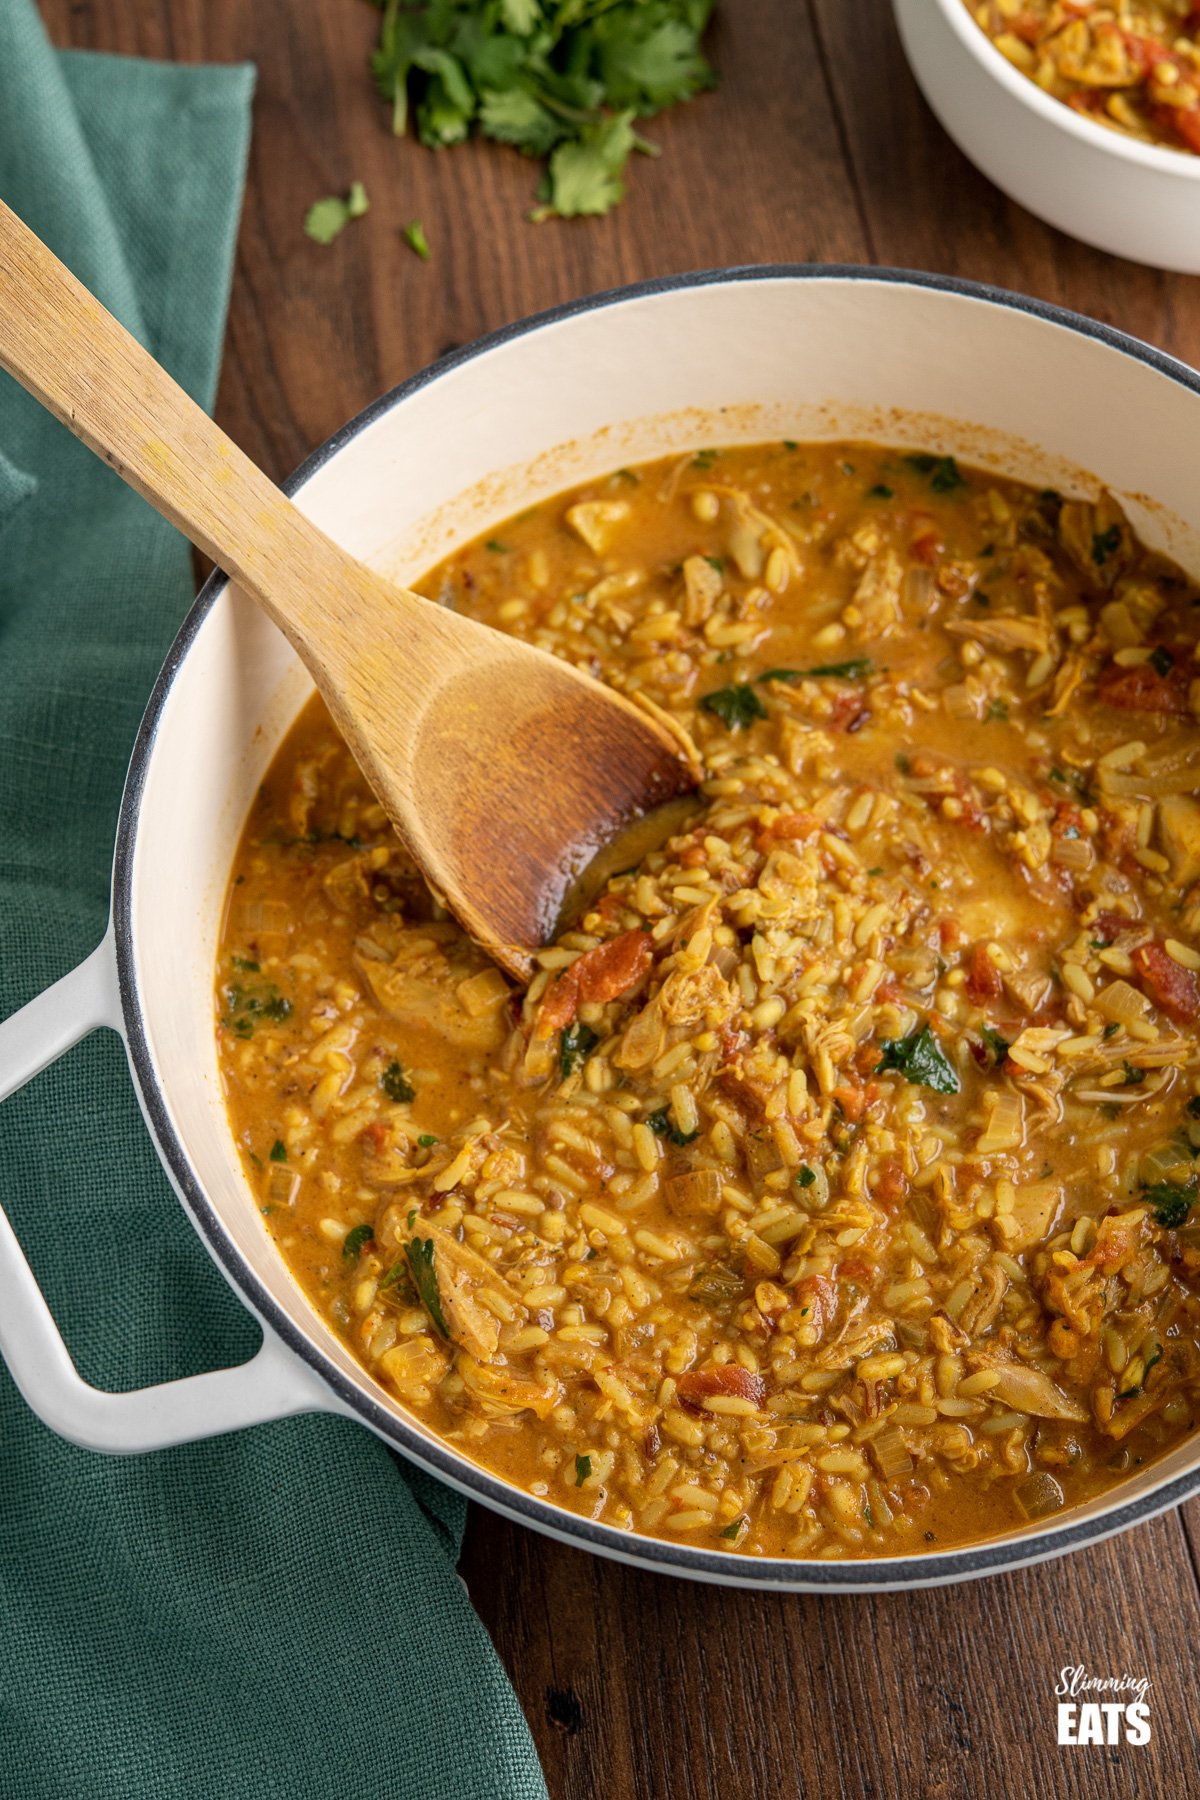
column 274, row 1613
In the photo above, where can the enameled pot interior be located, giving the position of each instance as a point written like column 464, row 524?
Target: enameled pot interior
column 718, row 360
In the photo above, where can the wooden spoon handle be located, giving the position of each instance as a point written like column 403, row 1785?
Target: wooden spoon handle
column 71, row 353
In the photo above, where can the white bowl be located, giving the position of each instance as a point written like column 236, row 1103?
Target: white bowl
column 1133, row 199
column 720, row 358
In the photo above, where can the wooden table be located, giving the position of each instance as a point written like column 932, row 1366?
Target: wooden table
column 816, row 148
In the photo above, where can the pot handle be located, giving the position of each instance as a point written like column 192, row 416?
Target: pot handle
column 274, row 1384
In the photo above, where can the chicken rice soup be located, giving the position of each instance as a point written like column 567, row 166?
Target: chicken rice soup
column 831, row 1191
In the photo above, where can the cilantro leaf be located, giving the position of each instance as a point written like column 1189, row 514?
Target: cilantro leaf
column 248, row 1005
column 414, row 236
column 1105, row 544
column 920, row 1059
column 660, row 1124
column 578, row 1042
column 1171, row 1202
column 648, row 60
column 585, row 172
column 396, row 1085
column 278, row 1152
column 516, row 116
column 521, row 16
column 999, row 1046
column 942, row 471
column 736, row 707
column 355, row 1240
column 327, row 219
column 583, row 1468
column 419, row 1256
column 852, row 670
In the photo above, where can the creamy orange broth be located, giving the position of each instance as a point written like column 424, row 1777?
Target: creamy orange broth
column 830, row 1191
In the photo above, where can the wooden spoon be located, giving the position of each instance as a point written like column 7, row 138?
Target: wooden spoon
column 502, row 768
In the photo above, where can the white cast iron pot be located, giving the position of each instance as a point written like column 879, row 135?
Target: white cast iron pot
column 1133, row 199
column 717, row 358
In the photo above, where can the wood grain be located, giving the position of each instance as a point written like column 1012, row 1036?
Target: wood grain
column 817, row 146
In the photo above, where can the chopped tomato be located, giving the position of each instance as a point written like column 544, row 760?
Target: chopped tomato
column 892, row 1183
column 721, row 1381
column 848, row 713
column 1108, row 926
column 1186, row 122
column 786, row 829
column 1142, row 689
column 851, row 1100
column 604, row 973
column 1168, row 983
column 983, row 977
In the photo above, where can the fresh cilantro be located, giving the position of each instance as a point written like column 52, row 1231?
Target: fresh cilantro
column 717, row 563
column 419, row 1256
column 660, row 1124
column 586, row 174
column 327, row 219
column 556, row 79
column 996, row 1044
column 853, row 670
column 1171, row 1202
column 396, row 1085
column 942, row 471
column 248, row 1006
column 246, row 964
column 903, row 764
column 426, row 1139
column 496, row 547
column 1132, row 1075
column 1110, row 1030
column 736, row 707
column 997, row 710
column 354, row 1241
column 414, row 236
column 1161, row 660
column 278, row 1152
column 881, row 492
column 735, row 1530
column 920, row 1059
column 1105, row 544
column 805, row 1176
column 790, row 444
column 583, row 1468
column 578, row 1042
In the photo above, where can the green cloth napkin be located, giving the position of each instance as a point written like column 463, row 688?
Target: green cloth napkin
column 274, row 1613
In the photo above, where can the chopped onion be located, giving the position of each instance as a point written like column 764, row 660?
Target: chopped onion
column 1005, row 1129
column 697, row 1191
column 1120, row 1001
column 1072, row 853
column 1040, row 1494
column 889, row 1453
